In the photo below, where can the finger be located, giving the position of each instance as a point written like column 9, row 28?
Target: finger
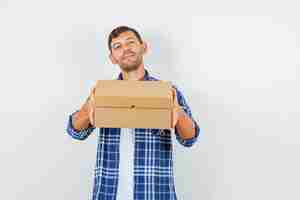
column 92, row 107
column 172, row 124
column 175, row 97
column 174, row 117
column 92, row 102
column 92, row 117
column 94, row 90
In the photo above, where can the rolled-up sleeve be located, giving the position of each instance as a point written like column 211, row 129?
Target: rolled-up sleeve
column 78, row 135
column 183, row 103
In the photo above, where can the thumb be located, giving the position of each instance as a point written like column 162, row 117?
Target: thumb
column 92, row 110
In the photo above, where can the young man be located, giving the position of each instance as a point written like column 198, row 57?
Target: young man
column 142, row 170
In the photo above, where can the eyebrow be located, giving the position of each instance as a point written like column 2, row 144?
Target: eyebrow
column 118, row 43
column 112, row 44
column 129, row 38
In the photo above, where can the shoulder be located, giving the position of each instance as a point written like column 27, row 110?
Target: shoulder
column 175, row 86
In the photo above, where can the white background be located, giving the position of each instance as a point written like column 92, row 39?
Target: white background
column 236, row 62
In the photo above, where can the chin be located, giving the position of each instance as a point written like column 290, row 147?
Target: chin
column 129, row 68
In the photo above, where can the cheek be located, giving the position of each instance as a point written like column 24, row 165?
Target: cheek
column 137, row 51
column 142, row 50
column 117, row 55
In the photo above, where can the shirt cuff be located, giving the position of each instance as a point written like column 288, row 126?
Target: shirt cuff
column 78, row 134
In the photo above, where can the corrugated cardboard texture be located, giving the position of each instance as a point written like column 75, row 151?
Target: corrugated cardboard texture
column 133, row 104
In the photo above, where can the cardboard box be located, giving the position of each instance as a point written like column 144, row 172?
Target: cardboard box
column 133, row 104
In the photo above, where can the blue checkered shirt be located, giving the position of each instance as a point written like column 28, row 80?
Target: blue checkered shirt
column 153, row 162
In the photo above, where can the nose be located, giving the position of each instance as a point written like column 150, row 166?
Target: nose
column 126, row 47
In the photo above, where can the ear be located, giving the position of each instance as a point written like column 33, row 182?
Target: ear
column 112, row 59
column 145, row 47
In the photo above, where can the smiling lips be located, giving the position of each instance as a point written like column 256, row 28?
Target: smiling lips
column 128, row 55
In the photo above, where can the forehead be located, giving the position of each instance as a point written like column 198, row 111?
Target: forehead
column 124, row 36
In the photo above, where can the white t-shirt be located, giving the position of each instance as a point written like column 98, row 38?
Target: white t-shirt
column 125, row 184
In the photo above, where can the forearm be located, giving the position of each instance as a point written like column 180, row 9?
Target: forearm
column 185, row 126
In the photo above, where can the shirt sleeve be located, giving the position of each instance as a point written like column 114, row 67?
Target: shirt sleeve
column 78, row 134
column 183, row 103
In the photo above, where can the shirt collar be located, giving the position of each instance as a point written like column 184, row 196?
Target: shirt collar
column 146, row 76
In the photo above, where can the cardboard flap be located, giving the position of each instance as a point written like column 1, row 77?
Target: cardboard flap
column 134, row 94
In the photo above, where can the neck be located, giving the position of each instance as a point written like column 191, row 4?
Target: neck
column 135, row 75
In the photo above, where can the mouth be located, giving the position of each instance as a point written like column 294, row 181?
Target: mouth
column 128, row 56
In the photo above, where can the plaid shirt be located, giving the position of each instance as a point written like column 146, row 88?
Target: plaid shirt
column 153, row 162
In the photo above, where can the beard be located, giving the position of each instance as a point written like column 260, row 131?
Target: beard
column 129, row 65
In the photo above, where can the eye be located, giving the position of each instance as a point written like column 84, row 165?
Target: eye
column 116, row 46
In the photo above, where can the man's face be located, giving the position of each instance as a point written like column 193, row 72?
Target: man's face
column 127, row 51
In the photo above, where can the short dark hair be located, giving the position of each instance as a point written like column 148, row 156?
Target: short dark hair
column 121, row 29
